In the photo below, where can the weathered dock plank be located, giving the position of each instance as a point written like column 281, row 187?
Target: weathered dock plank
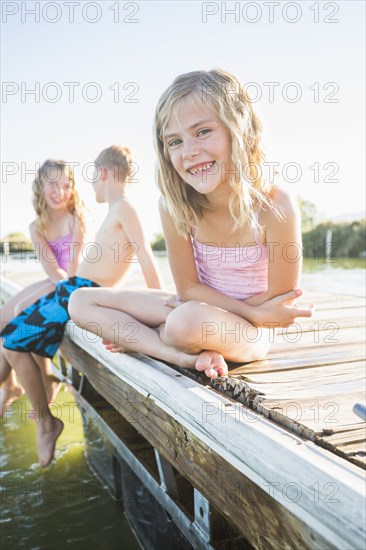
column 334, row 336
column 330, row 301
column 283, row 364
column 301, row 348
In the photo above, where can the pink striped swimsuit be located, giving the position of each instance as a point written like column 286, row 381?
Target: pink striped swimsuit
column 62, row 249
column 239, row 272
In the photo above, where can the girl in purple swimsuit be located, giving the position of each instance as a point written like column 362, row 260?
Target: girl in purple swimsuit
column 233, row 237
column 57, row 234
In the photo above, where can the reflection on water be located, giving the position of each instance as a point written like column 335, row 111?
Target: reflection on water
column 63, row 505
column 310, row 265
column 343, row 276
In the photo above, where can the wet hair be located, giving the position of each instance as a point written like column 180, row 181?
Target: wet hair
column 221, row 92
column 119, row 160
column 75, row 205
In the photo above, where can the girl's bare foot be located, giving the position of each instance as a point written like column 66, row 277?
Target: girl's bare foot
column 8, row 394
column 212, row 363
column 47, row 433
column 184, row 360
column 112, row 347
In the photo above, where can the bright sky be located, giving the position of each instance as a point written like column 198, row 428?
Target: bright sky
column 310, row 50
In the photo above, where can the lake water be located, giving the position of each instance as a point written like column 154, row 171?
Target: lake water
column 64, row 505
column 342, row 275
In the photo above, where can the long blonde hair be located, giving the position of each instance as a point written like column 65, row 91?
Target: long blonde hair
column 75, row 205
column 250, row 188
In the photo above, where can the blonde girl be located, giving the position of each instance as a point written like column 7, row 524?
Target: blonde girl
column 233, row 237
column 57, row 234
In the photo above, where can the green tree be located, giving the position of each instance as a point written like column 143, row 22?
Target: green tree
column 309, row 215
column 348, row 240
column 159, row 242
column 18, row 242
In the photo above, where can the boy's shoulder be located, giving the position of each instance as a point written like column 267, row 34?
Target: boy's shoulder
column 124, row 206
column 124, row 211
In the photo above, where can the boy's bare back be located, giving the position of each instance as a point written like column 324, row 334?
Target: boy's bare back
column 111, row 255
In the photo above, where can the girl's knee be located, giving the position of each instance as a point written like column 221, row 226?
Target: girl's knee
column 77, row 303
column 183, row 326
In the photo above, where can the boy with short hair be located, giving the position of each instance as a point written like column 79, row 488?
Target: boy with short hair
column 37, row 332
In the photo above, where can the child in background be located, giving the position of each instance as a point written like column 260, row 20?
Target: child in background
column 231, row 236
column 37, row 332
column 57, row 235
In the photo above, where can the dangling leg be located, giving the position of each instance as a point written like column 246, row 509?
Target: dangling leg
column 48, row 427
column 51, row 383
column 10, row 390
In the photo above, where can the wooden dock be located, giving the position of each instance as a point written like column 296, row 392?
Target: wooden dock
column 271, row 457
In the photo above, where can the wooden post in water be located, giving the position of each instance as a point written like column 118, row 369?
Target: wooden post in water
column 5, row 255
column 328, row 245
column 6, row 251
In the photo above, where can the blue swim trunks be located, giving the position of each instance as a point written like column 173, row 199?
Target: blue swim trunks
column 40, row 327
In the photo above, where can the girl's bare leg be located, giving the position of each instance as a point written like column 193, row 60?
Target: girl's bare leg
column 195, row 326
column 48, row 427
column 10, row 390
column 97, row 312
column 145, row 305
column 192, row 327
column 51, row 383
column 133, row 319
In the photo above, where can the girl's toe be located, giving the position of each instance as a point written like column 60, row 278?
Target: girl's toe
column 203, row 361
column 211, row 373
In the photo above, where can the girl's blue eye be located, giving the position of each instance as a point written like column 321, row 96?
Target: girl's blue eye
column 203, row 132
column 174, row 142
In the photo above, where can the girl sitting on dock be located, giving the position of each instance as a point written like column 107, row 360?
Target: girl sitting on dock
column 233, row 238
column 57, row 235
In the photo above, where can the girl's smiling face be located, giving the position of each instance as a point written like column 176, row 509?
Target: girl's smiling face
column 57, row 190
column 199, row 146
